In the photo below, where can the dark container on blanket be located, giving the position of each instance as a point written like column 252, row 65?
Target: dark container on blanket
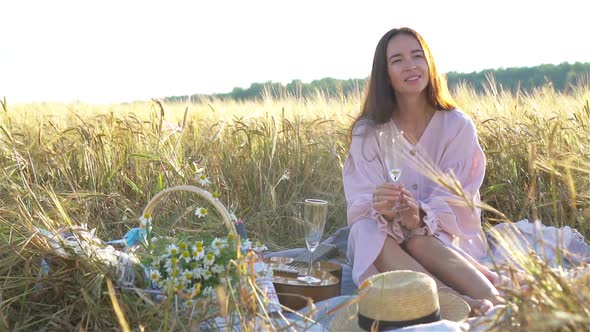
column 295, row 294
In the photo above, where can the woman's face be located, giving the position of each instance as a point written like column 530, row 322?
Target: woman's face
column 406, row 65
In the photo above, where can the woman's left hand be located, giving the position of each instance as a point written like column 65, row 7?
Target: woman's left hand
column 410, row 217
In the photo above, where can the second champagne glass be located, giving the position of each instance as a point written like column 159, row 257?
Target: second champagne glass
column 391, row 145
column 315, row 213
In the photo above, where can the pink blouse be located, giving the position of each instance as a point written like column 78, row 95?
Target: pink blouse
column 449, row 144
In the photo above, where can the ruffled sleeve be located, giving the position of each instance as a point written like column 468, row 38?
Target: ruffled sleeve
column 463, row 157
column 430, row 223
column 363, row 170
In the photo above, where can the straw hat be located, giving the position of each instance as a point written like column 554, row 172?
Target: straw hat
column 397, row 299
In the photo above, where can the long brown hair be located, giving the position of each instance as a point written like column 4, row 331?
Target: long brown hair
column 380, row 102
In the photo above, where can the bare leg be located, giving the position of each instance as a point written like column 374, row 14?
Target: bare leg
column 394, row 257
column 495, row 278
column 452, row 268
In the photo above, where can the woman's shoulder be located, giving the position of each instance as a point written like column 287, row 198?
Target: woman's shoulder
column 362, row 127
column 364, row 138
column 456, row 115
column 457, row 119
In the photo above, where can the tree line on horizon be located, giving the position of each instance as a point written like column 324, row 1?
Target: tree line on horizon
column 561, row 77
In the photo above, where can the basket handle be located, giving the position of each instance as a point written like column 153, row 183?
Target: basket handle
column 201, row 192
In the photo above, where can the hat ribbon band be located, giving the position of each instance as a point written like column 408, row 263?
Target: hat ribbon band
column 366, row 323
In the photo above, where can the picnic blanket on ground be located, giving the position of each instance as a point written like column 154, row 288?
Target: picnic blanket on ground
column 561, row 247
column 564, row 246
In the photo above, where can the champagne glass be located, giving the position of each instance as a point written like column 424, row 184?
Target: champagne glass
column 391, row 145
column 315, row 212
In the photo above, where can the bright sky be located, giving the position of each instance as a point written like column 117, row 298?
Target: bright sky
column 122, row 50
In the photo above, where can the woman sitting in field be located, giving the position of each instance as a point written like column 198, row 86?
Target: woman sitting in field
column 432, row 234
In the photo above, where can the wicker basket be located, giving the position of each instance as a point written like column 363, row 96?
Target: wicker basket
column 151, row 205
column 207, row 308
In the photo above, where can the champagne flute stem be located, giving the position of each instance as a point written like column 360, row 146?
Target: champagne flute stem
column 310, row 262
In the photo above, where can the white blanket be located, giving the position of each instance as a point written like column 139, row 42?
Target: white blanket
column 563, row 246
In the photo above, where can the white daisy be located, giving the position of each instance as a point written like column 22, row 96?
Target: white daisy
column 163, row 283
column 210, row 259
column 193, row 265
column 155, row 276
column 171, row 264
column 186, row 255
column 177, row 282
column 145, row 220
column 203, row 179
column 187, row 277
column 216, row 243
column 198, row 252
column 223, row 243
column 172, row 250
column 201, row 212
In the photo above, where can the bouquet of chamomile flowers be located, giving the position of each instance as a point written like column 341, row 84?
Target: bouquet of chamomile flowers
column 194, row 268
column 190, row 265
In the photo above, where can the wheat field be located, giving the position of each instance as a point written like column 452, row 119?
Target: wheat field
column 74, row 164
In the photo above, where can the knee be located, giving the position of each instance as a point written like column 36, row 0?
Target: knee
column 390, row 243
column 390, row 255
column 416, row 244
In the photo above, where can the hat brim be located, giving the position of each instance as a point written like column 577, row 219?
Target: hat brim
column 452, row 308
